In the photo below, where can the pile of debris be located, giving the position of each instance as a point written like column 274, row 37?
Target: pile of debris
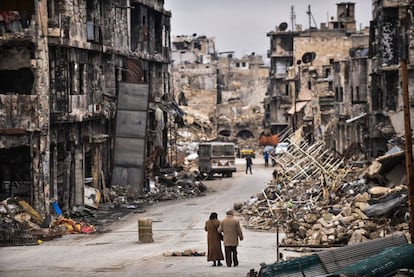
column 20, row 224
column 319, row 200
column 169, row 185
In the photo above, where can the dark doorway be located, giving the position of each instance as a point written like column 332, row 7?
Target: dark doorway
column 15, row 177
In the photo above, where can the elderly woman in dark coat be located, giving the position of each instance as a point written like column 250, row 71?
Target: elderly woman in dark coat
column 214, row 252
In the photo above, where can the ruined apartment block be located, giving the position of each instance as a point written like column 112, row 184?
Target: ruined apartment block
column 300, row 94
column 80, row 84
column 193, row 56
column 193, row 49
column 367, row 85
column 278, row 98
column 351, row 82
column 228, row 88
column 391, row 33
column 242, row 82
column 353, row 77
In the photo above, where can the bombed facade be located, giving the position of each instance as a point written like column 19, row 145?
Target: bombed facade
column 220, row 93
column 342, row 93
column 85, row 94
column 339, row 84
column 391, row 34
column 349, row 113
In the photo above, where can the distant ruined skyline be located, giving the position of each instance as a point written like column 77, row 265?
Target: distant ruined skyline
column 242, row 25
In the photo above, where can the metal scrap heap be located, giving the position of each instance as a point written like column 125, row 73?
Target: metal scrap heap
column 319, row 199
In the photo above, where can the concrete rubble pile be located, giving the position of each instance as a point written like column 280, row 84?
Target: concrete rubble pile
column 169, row 185
column 318, row 199
column 198, row 125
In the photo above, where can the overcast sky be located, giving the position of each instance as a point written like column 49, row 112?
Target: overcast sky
column 242, row 25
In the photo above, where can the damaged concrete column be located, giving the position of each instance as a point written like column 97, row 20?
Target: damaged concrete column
column 79, row 175
column 96, row 165
column 40, row 146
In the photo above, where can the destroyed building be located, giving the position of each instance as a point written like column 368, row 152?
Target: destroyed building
column 278, row 96
column 193, row 74
column 391, row 33
column 300, row 65
column 241, row 84
column 220, row 93
column 339, row 84
column 84, row 97
column 347, row 98
column 193, row 49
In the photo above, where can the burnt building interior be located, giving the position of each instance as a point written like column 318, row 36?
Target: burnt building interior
column 279, row 94
column 385, row 52
column 80, row 85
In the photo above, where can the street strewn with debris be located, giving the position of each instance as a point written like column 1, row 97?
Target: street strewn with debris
column 21, row 224
column 109, row 126
column 177, row 232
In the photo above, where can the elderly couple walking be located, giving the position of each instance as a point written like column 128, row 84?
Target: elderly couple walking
column 230, row 230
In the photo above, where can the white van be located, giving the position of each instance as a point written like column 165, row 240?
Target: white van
column 216, row 157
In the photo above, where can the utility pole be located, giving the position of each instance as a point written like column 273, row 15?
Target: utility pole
column 296, row 93
column 408, row 130
column 297, row 83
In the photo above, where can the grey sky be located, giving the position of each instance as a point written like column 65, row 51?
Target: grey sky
column 241, row 25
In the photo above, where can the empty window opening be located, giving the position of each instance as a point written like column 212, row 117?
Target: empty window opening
column 18, row 81
column 339, row 94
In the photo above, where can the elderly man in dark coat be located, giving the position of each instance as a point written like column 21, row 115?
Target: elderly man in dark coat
column 214, row 252
column 230, row 226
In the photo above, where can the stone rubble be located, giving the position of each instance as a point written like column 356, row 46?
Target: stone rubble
column 317, row 207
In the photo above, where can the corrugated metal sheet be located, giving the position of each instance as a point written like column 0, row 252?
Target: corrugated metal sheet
column 131, row 124
column 337, row 259
column 303, row 266
column 327, row 262
column 387, row 263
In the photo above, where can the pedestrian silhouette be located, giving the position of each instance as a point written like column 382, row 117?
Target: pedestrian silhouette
column 266, row 158
column 230, row 226
column 214, row 252
column 249, row 163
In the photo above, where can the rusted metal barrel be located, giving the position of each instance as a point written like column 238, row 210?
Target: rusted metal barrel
column 145, row 230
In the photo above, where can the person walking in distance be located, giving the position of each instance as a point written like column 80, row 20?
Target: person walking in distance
column 266, row 158
column 249, row 163
column 232, row 232
column 214, row 252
